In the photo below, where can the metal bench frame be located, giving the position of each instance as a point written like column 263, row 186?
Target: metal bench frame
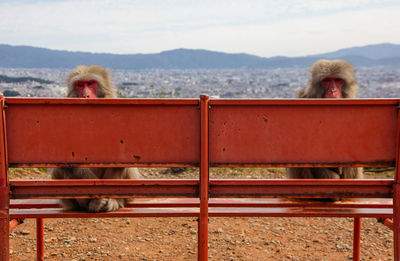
column 200, row 133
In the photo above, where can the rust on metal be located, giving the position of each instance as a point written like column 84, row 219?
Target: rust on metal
column 224, row 202
column 4, row 189
column 124, row 212
column 301, row 102
column 201, row 133
column 156, row 132
column 213, row 212
column 396, row 220
column 96, row 182
column 72, row 101
column 356, row 238
column 301, row 164
column 397, row 167
column 4, row 197
column 39, row 239
column 103, row 188
column 219, row 208
column 301, row 212
column 388, row 222
column 298, row 134
column 14, row 223
column 301, row 188
column 34, row 203
column 103, row 165
column 204, row 179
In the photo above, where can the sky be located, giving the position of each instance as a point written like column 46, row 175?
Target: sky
column 265, row 28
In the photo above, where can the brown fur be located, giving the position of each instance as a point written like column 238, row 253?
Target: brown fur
column 324, row 68
column 99, row 204
column 320, row 70
column 106, row 90
column 325, row 173
column 93, row 72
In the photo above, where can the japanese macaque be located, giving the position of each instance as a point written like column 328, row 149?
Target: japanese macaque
column 329, row 79
column 92, row 82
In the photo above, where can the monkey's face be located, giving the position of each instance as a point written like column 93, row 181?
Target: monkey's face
column 333, row 87
column 86, row 88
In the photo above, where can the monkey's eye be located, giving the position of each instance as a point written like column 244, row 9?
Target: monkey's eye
column 326, row 81
column 340, row 81
column 91, row 83
column 329, row 80
column 79, row 85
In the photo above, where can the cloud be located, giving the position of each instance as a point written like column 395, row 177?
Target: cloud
column 260, row 27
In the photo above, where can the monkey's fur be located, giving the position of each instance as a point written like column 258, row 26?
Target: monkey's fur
column 320, row 70
column 93, row 72
column 105, row 90
column 325, row 173
column 98, row 204
column 324, row 68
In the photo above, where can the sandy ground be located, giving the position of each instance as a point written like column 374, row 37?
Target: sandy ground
column 176, row 238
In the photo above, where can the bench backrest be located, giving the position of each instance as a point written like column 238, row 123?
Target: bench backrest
column 121, row 132
column 303, row 133
column 47, row 132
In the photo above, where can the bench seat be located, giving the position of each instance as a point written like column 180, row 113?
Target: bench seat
column 239, row 207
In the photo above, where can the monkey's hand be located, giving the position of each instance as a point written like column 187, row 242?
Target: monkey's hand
column 105, row 204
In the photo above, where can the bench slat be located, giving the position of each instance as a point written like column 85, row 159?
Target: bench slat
column 213, row 212
column 223, row 203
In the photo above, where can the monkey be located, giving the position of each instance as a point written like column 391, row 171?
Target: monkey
column 323, row 74
column 333, row 79
column 92, row 82
column 96, row 78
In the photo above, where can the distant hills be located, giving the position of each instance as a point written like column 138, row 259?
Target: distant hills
column 7, row 79
column 34, row 57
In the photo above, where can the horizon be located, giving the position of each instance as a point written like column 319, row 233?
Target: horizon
column 262, row 28
column 176, row 49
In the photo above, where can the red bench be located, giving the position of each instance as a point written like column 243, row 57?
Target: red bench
column 200, row 133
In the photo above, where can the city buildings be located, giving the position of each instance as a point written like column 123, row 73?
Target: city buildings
column 374, row 82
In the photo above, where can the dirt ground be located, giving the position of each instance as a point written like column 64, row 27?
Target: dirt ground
column 146, row 239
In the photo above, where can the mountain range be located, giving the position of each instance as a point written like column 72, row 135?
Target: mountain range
column 34, row 57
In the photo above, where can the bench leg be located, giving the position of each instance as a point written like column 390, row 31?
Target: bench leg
column 4, row 221
column 39, row 240
column 4, row 232
column 202, row 239
column 396, row 221
column 356, row 238
column 204, row 178
column 14, row 223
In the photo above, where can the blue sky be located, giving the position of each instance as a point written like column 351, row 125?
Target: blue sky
column 261, row 27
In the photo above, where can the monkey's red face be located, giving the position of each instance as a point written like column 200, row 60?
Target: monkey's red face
column 86, row 89
column 333, row 87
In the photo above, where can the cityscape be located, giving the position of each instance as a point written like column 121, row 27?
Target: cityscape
column 374, row 82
